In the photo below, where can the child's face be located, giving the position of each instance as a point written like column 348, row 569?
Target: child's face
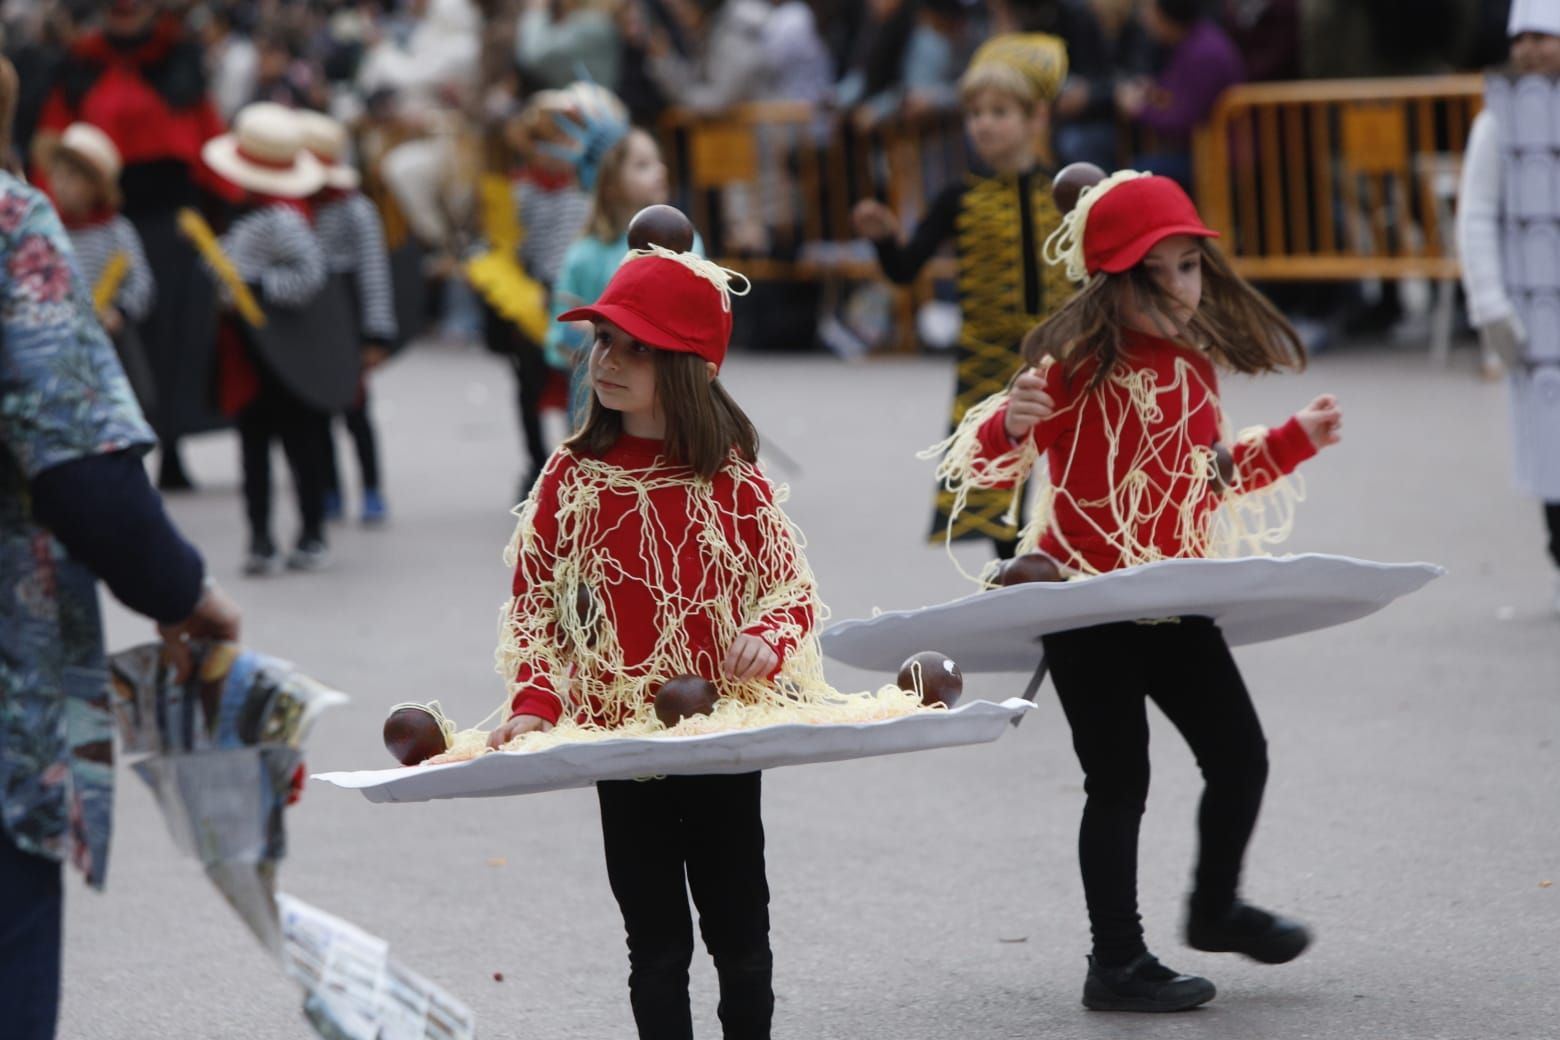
column 1000, row 128
column 622, row 372
column 1536, row 54
column 74, row 192
column 643, row 177
column 1175, row 265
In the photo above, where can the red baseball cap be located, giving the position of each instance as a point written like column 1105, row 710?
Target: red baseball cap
column 664, row 304
column 1134, row 216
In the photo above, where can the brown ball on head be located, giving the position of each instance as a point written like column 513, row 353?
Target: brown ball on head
column 682, row 696
column 934, row 676
column 1070, row 182
column 1035, row 566
column 413, row 735
column 1226, row 468
column 660, row 225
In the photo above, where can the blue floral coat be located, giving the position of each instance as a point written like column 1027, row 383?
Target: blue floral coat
column 63, row 396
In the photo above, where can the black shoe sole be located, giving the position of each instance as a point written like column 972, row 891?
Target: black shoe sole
column 1276, row 951
column 1111, row 1002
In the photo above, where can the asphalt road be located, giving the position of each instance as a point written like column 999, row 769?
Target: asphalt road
column 1411, row 817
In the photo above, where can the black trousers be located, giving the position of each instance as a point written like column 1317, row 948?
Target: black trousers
column 277, row 414
column 364, row 440
column 1104, row 675
column 531, row 375
column 1552, row 518
column 706, row 829
column 32, row 904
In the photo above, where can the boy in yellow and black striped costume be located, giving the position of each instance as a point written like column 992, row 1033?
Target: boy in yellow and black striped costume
column 999, row 222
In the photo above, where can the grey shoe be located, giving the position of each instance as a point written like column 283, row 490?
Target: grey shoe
column 262, row 558
column 311, row 555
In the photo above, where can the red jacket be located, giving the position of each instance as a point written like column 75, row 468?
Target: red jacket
column 635, row 590
column 1086, row 471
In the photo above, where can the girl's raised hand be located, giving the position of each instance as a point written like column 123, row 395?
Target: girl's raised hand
column 1028, row 404
column 1322, row 420
column 750, row 658
column 874, row 220
column 516, row 726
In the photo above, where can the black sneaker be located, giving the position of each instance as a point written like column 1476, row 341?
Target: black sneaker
column 311, row 555
column 1242, row 928
column 1143, row 984
column 262, row 558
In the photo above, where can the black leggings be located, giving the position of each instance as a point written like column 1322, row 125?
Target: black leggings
column 1103, row 677
column 709, row 827
column 531, row 375
column 361, row 428
column 1552, row 517
column 276, row 413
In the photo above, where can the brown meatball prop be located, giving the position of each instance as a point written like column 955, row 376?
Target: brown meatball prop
column 682, row 696
column 664, row 226
column 934, row 676
column 413, row 735
column 1226, row 466
column 1035, row 566
column 1070, row 182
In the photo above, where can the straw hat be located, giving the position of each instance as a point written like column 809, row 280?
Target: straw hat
column 265, row 154
column 326, row 140
column 92, row 149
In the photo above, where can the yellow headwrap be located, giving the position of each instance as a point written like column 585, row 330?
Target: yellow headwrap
column 1040, row 58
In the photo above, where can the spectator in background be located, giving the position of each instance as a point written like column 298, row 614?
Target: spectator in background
column 232, row 62
column 1345, row 39
column 936, row 51
column 556, row 38
column 1267, row 34
column 804, row 70
column 39, row 44
column 1202, row 62
column 875, row 57
column 726, row 63
column 280, row 76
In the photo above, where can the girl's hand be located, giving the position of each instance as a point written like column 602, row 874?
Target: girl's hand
column 750, row 658
column 516, row 726
column 874, row 221
column 1028, row 404
column 1321, row 420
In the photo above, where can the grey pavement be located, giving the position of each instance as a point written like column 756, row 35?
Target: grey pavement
column 1412, row 818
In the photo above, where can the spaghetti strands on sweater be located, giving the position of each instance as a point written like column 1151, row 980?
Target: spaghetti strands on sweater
column 353, row 239
column 1132, row 473
column 675, row 568
column 96, row 244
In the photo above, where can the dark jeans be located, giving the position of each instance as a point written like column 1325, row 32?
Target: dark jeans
column 361, row 428
column 531, row 375
column 1552, row 517
column 32, row 904
column 277, row 414
column 1104, row 675
column 707, row 827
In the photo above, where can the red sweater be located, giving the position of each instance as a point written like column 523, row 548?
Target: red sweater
column 628, row 597
column 1085, row 471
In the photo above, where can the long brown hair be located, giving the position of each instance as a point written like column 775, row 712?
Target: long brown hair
column 609, row 214
column 703, row 424
column 1234, row 323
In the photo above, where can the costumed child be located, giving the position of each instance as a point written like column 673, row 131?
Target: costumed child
column 84, row 183
column 1123, row 403
column 998, row 222
column 631, row 176
column 1507, row 227
column 271, row 245
column 349, row 229
column 529, row 218
column 653, row 560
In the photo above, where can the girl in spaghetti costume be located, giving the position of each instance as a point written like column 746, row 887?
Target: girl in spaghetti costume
column 998, row 221
column 653, row 547
column 1122, row 400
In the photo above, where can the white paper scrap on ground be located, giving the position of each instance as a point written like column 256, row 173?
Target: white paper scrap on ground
column 1253, row 599
column 731, row 751
column 355, row 991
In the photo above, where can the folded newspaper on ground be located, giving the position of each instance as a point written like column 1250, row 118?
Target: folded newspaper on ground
column 731, row 751
column 355, row 991
column 1253, row 599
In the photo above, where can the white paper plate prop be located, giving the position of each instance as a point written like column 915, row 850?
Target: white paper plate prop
column 1251, row 598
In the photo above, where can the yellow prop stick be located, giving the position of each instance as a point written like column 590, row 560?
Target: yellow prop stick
column 194, row 227
column 109, row 281
column 503, row 283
